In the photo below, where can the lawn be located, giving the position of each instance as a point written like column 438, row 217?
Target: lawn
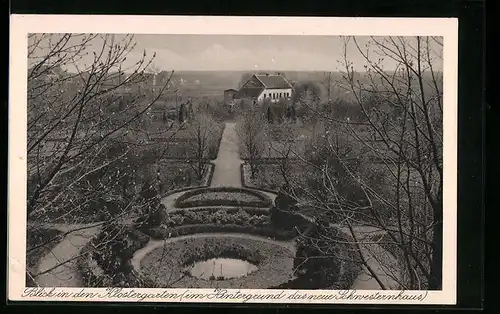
column 270, row 174
column 178, row 174
column 169, row 265
column 174, row 145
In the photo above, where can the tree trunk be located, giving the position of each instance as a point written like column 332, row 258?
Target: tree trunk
column 436, row 273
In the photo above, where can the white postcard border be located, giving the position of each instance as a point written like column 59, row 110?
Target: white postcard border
column 21, row 25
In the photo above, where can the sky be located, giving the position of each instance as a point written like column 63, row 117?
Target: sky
column 247, row 52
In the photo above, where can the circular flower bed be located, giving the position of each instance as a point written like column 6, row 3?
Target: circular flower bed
column 169, row 264
column 223, row 196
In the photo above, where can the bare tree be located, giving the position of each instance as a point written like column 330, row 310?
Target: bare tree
column 83, row 98
column 328, row 83
column 204, row 132
column 251, row 132
column 403, row 113
column 391, row 182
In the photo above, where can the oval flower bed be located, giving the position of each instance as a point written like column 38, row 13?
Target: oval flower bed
column 223, row 196
column 169, row 264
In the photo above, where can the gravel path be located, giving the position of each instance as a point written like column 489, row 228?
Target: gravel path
column 227, row 165
column 59, row 266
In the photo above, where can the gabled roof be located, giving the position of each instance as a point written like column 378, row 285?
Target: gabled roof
column 273, row 81
column 250, row 92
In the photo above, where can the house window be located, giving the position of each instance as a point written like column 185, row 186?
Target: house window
column 280, row 95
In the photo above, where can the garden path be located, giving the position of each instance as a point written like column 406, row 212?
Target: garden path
column 227, row 165
column 61, row 261
column 383, row 264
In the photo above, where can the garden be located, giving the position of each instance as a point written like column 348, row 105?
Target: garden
column 225, row 247
column 173, row 264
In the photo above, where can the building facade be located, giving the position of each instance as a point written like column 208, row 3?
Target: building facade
column 262, row 87
column 229, row 95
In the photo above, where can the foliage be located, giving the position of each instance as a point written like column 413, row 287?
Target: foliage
column 106, row 261
column 237, row 216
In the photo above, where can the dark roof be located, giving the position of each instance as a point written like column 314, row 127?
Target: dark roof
column 273, row 81
column 249, row 92
column 231, row 90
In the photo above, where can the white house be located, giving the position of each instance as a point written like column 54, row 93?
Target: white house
column 265, row 86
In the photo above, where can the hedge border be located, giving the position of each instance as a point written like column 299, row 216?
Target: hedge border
column 218, row 143
column 185, row 230
column 269, row 159
column 211, row 170
column 248, row 210
column 264, row 200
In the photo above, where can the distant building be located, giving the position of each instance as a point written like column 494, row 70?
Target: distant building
column 229, row 95
column 261, row 87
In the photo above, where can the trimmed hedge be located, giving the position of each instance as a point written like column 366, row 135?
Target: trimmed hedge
column 105, row 260
column 214, row 151
column 211, row 169
column 162, row 232
column 270, row 159
column 183, row 202
column 230, row 210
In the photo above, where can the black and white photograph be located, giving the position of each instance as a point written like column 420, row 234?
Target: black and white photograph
column 226, row 162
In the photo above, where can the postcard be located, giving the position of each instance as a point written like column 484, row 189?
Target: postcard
column 213, row 159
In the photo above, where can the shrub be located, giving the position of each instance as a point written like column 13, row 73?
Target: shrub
column 109, row 254
column 239, row 216
column 288, row 220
